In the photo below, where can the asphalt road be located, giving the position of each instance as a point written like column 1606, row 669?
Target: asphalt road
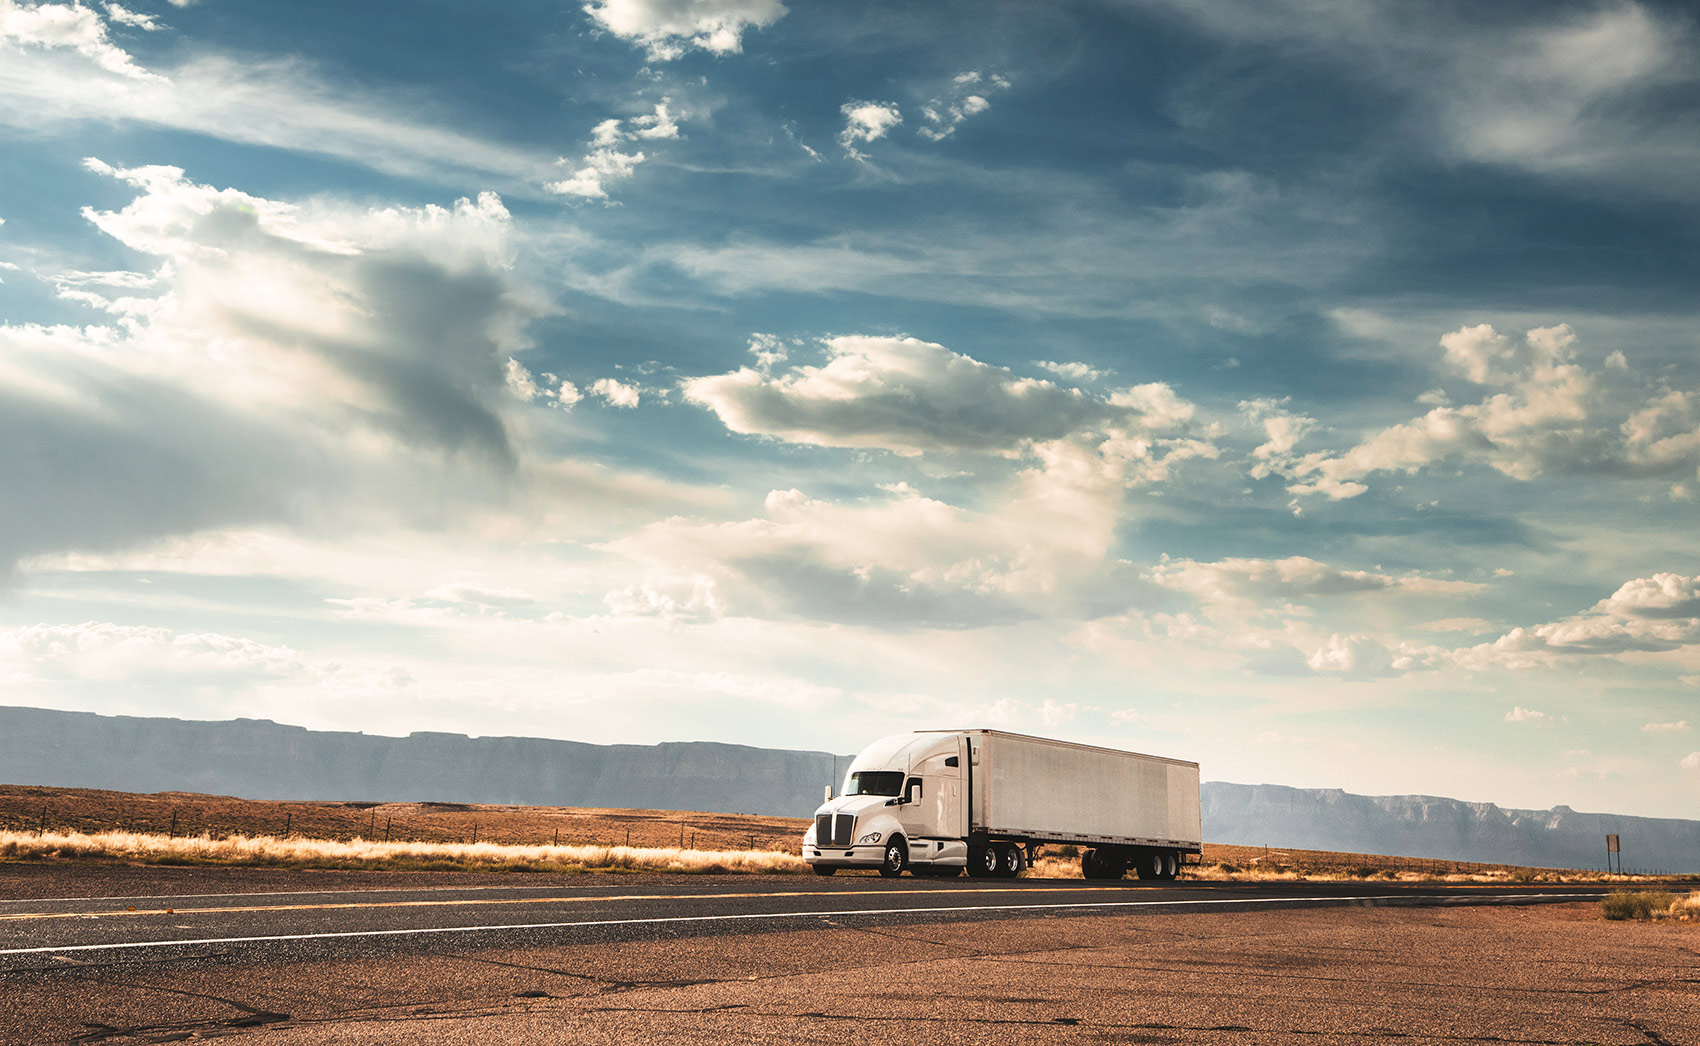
column 346, row 923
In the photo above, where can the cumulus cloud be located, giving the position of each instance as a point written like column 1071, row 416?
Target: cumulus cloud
column 73, row 27
column 1550, row 414
column 911, row 397
column 900, row 561
column 1519, row 714
column 286, row 361
column 606, row 162
column 1645, row 615
column 668, row 28
column 866, row 122
column 617, row 393
column 966, row 97
column 1679, row 727
column 1292, row 578
column 1691, row 761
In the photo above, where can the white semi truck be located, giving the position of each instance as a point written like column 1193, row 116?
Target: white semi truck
column 937, row 801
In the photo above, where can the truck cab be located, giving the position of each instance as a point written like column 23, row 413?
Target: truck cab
column 903, row 805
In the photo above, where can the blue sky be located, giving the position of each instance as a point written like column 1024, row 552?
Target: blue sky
column 1308, row 388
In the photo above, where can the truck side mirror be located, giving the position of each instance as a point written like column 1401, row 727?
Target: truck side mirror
column 828, row 798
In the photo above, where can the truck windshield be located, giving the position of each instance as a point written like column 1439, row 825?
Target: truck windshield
column 875, row 782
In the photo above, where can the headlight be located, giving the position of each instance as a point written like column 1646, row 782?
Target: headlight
column 871, row 837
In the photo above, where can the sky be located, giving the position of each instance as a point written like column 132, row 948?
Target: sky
column 1307, row 388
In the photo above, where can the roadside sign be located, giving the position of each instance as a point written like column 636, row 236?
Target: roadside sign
column 1611, row 844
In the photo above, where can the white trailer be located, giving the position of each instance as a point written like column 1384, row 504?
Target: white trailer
column 937, row 801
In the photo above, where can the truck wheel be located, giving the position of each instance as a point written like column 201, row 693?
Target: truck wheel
column 983, row 862
column 1011, row 861
column 824, row 869
column 896, row 858
column 1151, row 865
column 1171, row 865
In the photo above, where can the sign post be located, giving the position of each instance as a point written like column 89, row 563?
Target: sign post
column 1613, row 848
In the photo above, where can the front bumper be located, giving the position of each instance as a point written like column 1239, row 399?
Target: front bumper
column 868, row 855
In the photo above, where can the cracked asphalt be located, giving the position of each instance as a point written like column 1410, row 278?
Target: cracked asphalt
column 1543, row 973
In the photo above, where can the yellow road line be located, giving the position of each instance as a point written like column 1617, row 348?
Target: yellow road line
column 464, row 902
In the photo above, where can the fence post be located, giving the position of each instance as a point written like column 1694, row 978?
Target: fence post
column 557, row 837
column 43, row 829
column 475, row 833
column 173, row 824
column 387, row 822
column 288, row 816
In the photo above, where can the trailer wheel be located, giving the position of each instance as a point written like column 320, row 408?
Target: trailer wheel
column 983, row 862
column 896, row 858
column 1095, row 864
column 1151, row 865
column 824, row 869
column 1171, row 865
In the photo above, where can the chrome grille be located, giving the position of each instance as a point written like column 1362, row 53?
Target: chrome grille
column 834, row 829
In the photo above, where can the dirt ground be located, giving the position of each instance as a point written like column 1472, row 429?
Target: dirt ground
column 1541, row 974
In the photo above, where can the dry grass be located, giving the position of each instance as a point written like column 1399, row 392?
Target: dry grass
column 270, row 851
column 1647, row 905
column 92, row 811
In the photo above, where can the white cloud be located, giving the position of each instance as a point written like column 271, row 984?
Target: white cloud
column 911, row 397
column 106, row 652
column 606, row 163
column 1578, row 94
column 124, row 16
column 67, row 70
column 618, row 394
column 288, row 362
column 1078, row 372
column 1691, row 761
column 1679, row 727
column 1550, row 415
column 1646, row 615
column 1519, row 714
column 966, row 97
column 866, row 122
column 1293, row 578
column 73, row 27
column 1351, row 655
column 667, row 28
column 903, row 561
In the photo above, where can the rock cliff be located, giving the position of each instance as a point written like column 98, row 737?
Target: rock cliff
column 1427, row 826
column 259, row 759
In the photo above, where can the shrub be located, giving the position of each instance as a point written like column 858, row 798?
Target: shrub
column 1637, row 904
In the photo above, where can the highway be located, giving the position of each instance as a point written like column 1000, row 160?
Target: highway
column 604, row 909
column 150, row 955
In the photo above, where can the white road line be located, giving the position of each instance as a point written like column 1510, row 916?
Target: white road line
column 776, row 915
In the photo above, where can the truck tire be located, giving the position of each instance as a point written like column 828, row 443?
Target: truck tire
column 983, row 862
column 1151, row 865
column 1171, row 865
column 1094, row 864
column 824, row 869
column 896, row 858
column 1011, row 861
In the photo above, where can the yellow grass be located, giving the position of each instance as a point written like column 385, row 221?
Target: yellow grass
column 265, row 850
